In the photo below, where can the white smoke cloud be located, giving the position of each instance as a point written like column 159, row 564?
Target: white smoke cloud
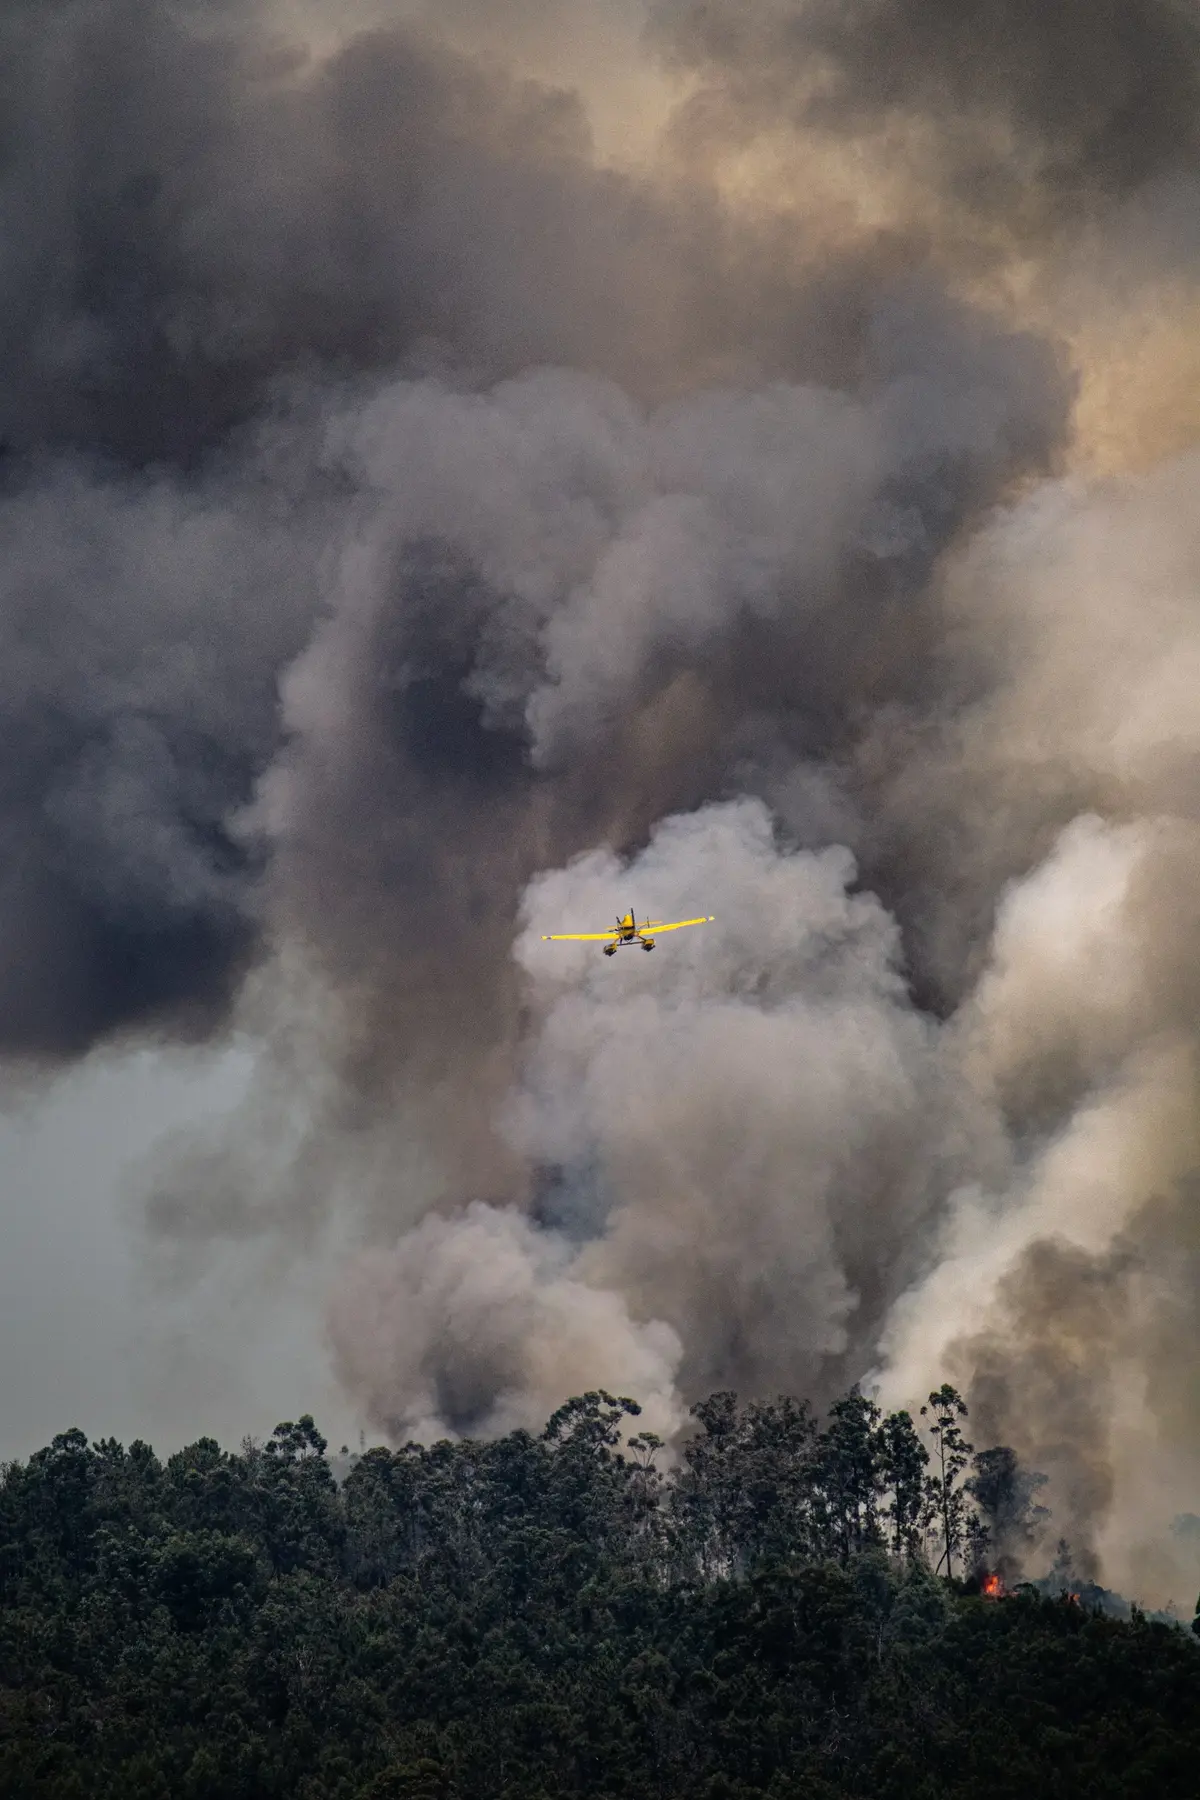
column 752, row 495
column 481, row 1324
column 1057, row 1293
column 738, row 1137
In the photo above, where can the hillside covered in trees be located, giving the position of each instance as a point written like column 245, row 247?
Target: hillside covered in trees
column 795, row 1610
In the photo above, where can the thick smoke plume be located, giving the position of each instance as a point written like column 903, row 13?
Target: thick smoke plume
column 428, row 527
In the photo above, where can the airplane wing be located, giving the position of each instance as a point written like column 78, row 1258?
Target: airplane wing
column 678, row 924
column 578, row 937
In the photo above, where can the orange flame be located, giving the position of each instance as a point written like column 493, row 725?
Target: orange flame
column 992, row 1587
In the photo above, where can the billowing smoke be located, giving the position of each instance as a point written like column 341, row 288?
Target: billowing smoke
column 677, row 1126
column 1023, row 114
column 428, row 529
column 481, row 1321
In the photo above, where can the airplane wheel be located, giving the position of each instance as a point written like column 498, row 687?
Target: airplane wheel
column 610, row 949
column 647, row 946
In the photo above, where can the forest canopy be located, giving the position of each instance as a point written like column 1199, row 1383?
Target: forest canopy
column 793, row 1607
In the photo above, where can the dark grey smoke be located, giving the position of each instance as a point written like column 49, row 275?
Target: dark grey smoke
column 1025, row 111
column 193, row 215
column 1044, row 1375
column 141, row 627
column 1006, row 1496
column 192, row 209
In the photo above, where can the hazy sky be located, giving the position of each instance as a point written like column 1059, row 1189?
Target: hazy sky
column 88, row 1335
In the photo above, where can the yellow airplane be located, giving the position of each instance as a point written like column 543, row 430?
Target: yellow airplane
column 626, row 931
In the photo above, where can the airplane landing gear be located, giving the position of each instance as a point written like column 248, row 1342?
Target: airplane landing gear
column 647, row 943
column 610, row 949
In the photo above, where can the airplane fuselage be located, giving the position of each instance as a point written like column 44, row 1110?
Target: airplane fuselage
column 628, row 934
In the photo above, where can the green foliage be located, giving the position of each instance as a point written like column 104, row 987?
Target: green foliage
column 903, row 1459
column 548, row 1616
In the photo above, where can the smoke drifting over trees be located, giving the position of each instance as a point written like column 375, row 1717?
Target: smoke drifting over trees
column 424, row 531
